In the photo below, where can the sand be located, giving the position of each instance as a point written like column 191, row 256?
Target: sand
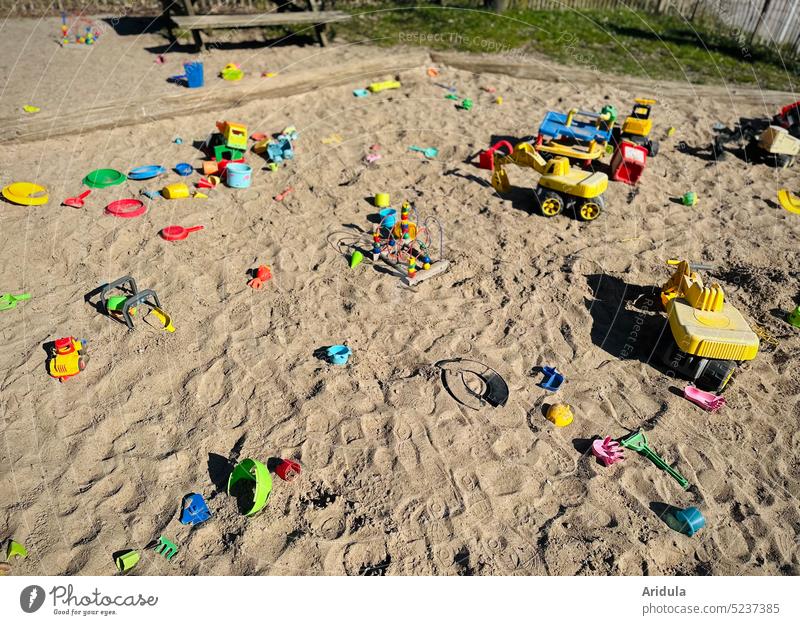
column 398, row 478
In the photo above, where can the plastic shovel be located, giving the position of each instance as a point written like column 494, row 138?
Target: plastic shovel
column 178, row 233
column 704, row 399
column 77, row 202
column 638, row 443
column 8, row 301
column 428, row 152
column 607, row 451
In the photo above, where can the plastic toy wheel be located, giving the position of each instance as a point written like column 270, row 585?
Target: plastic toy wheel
column 783, row 160
column 83, row 361
column 652, row 148
column 715, row 375
column 550, row 202
column 590, row 209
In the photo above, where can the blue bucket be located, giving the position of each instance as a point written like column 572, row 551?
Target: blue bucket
column 338, row 354
column 388, row 217
column 690, row 521
column 184, row 169
column 194, row 74
column 238, row 175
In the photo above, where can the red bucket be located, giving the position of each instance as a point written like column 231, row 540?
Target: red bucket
column 287, row 470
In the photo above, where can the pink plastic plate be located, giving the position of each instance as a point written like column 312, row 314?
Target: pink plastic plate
column 126, row 208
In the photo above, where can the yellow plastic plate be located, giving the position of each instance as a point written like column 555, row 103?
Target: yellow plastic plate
column 26, row 194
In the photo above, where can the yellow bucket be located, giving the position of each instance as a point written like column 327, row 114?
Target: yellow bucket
column 175, row 191
column 560, row 415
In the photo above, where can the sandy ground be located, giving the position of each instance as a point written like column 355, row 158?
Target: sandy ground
column 397, row 477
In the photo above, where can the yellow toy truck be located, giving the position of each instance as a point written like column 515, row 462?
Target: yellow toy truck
column 68, row 358
column 710, row 338
column 637, row 126
column 560, row 186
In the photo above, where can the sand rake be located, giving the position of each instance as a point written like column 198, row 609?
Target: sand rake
column 638, row 442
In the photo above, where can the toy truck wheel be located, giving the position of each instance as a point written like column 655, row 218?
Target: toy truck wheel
column 590, row 209
column 652, row 148
column 83, row 361
column 550, row 203
column 715, row 375
column 783, row 160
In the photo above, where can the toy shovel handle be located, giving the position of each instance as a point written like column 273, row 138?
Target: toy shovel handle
column 22, row 297
column 194, row 229
column 664, row 466
column 84, row 194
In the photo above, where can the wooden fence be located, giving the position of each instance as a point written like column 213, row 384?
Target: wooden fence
column 770, row 22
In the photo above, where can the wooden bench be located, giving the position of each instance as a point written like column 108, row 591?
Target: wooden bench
column 196, row 23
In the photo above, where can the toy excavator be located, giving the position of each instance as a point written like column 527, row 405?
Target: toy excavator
column 637, row 126
column 560, row 186
column 710, row 338
column 774, row 142
column 123, row 307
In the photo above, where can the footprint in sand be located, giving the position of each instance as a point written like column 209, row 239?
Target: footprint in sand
column 331, row 527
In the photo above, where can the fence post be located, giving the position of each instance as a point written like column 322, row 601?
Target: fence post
column 760, row 20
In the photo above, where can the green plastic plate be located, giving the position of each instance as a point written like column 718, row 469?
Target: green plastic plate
column 102, row 178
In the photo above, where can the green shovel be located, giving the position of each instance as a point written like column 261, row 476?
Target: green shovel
column 638, row 442
column 8, row 301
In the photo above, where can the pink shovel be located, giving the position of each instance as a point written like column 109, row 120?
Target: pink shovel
column 76, row 202
column 704, row 399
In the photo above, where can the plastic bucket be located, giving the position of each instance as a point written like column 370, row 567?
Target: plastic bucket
column 338, row 354
column 194, row 74
column 689, row 521
column 382, row 200
column 238, row 175
column 388, row 217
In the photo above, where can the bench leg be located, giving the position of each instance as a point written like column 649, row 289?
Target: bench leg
column 198, row 40
column 321, row 36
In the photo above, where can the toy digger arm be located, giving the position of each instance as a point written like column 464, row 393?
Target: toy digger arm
column 528, row 158
column 521, row 157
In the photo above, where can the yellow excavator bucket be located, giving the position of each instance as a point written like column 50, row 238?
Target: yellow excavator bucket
column 500, row 180
column 164, row 318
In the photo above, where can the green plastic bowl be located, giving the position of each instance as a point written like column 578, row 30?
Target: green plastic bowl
column 102, row 178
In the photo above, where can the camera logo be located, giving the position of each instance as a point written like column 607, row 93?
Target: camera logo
column 31, row 598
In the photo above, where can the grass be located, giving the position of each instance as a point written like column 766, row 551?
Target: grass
column 661, row 47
